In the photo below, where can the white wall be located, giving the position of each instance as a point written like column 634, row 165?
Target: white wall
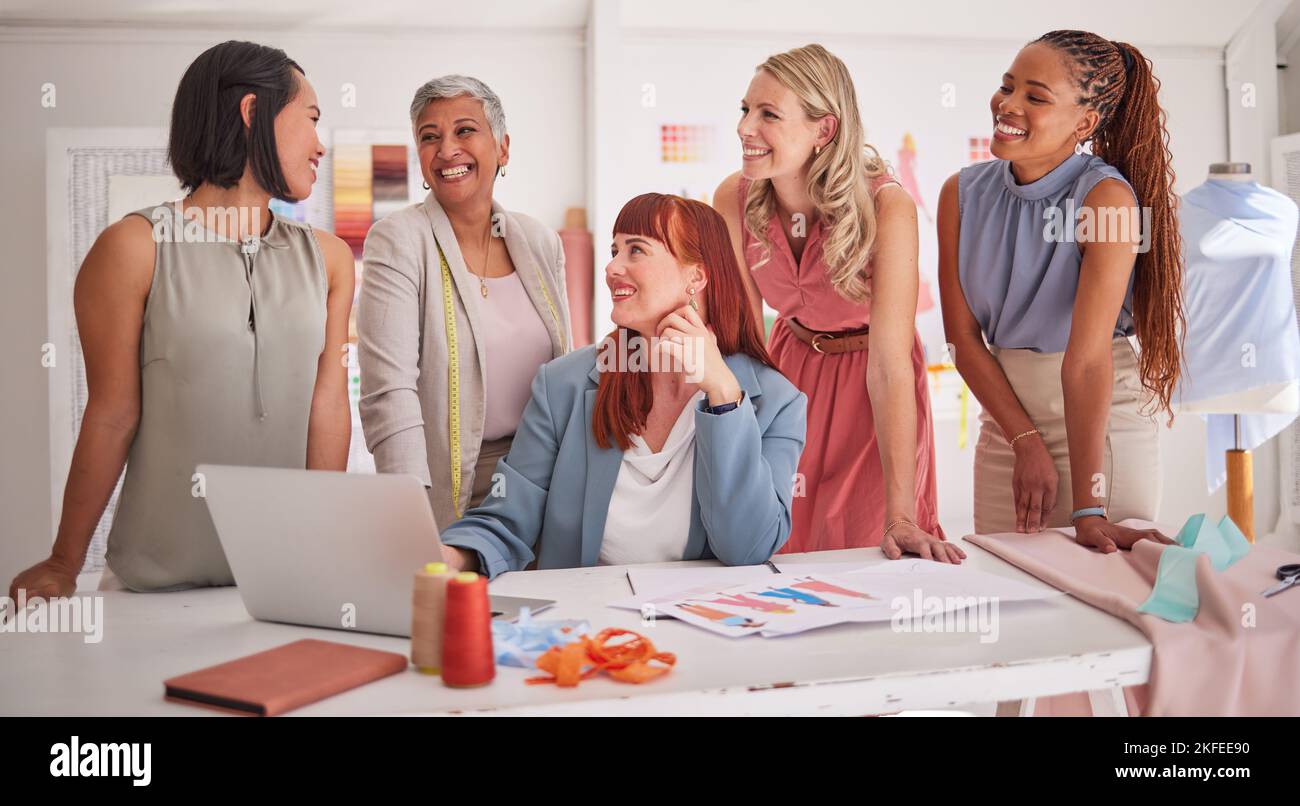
column 119, row 77
column 1289, row 90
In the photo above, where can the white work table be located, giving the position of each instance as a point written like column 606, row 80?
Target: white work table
column 1046, row 647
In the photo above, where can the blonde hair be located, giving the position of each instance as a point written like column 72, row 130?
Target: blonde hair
column 838, row 179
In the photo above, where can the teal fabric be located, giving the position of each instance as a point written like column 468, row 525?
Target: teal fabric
column 1225, row 543
column 1175, row 597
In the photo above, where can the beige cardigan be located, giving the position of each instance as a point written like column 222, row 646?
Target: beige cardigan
column 402, row 338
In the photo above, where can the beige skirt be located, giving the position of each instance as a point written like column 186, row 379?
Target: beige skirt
column 1130, row 465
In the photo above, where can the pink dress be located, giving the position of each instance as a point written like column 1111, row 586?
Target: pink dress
column 843, row 493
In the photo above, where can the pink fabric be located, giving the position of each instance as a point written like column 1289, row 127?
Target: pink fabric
column 580, row 277
column 1213, row 665
column 843, row 500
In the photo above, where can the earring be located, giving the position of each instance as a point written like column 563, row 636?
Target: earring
column 691, row 301
column 1078, row 146
column 817, row 150
column 426, row 185
column 501, row 171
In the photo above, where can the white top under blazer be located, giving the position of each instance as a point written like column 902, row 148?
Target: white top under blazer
column 650, row 509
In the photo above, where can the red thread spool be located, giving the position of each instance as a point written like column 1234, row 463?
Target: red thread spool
column 467, row 656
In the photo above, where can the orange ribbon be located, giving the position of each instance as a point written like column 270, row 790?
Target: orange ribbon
column 628, row 661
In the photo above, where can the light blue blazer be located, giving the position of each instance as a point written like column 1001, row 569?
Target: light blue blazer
column 558, row 482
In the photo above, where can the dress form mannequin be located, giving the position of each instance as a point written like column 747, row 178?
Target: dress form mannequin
column 1268, row 398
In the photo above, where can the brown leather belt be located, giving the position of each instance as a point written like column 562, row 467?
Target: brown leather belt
column 847, row 341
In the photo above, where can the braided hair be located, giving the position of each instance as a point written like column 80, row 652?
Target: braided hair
column 1116, row 80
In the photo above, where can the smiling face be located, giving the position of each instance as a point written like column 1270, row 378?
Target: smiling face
column 1035, row 112
column 647, row 283
column 296, row 139
column 459, row 155
column 777, row 137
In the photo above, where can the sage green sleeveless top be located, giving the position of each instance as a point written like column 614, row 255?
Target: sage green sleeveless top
column 228, row 352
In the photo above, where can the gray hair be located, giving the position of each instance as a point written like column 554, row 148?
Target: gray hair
column 455, row 86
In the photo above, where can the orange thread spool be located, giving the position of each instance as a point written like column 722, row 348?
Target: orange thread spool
column 467, row 656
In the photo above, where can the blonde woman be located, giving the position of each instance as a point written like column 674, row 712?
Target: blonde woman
column 830, row 241
column 461, row 302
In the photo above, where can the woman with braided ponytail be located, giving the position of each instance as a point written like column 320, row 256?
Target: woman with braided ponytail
column 1050, row 258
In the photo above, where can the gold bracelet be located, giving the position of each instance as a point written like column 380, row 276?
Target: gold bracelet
column 1027, row 433
column 894, row 523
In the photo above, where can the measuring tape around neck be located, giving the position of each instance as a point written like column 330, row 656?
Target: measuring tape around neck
column 453, row 380
column 555, row 317
column 453, row 369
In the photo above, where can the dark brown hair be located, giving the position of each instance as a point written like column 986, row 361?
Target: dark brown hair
column 208, row 141
column 1116, row 80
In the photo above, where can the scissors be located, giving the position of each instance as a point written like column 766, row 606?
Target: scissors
column 1289, row 574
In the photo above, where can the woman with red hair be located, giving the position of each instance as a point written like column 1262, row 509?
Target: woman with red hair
column 673, row 439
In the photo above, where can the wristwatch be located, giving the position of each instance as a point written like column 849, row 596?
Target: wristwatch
column 726, row 407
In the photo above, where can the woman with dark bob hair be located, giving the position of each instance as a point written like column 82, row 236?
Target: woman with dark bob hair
column 212, row 331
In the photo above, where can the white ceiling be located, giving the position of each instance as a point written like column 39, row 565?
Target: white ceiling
column 303, row 14
column 1194, row 23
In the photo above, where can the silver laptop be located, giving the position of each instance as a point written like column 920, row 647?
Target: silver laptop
column 329, row 549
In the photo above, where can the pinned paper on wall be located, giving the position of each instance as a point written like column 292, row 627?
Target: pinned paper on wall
column 370, row 181
column 372, row 172
column 684, row 143
column 905, row 169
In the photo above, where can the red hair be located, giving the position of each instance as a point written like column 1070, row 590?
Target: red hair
column 694, row 234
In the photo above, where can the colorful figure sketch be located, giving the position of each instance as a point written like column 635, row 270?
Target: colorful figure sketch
column 741, row 600
column 720, row 616
column 798, row 596
column 828, row 587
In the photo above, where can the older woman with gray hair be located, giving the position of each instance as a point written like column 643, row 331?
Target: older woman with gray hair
column 461, row 302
